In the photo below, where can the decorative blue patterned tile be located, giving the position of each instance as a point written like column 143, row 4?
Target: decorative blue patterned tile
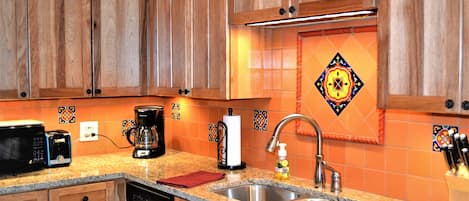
column 212, row 132
column 441, row 136
column 176, row 111
column 67, row 114
column 338, row 84
column 127, row 124
column 260, row 120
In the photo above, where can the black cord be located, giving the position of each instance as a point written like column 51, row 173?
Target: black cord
column 119, row 147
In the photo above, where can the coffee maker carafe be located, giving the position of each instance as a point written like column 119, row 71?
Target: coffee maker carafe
column 148, row 133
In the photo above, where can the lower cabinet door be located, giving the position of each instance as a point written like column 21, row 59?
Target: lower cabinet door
column 28, row 196
column 103, row 191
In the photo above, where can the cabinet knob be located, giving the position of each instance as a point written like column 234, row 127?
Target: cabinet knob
column 23, row 94
column 183, row 91
column 97, row 91
column 88, row 91
column 85, row 198
column 282, row 11
column 449, row 103
column 465, row 105
column 292, row 9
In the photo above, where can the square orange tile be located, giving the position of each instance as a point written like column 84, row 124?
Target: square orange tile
column 396, row 185
column 419, row 163
column 374, row 181
column 395, row 160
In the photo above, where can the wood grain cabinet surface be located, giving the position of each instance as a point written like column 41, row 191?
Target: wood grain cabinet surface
column 422, row 56
column 13, row 53
column 75, row 48
column 28, row 196
column 250, row 11
column 103, row 191
column 190, row 50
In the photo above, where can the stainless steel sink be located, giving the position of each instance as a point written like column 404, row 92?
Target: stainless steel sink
column 259, row 192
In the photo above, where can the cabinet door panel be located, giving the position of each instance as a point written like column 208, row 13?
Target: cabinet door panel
column 181, row 42
column 320, row 7
column 247, row 11
column 210, row 50
column 160, row 45
column 13, row 79
column 28, row 196
column 465, row 56
column 119, row 42
column 60, row 47
column 422, row 60
column 104, row 191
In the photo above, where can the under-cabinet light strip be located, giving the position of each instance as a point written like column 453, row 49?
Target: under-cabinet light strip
column 311, row 18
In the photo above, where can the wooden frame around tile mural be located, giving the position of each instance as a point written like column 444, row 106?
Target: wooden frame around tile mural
column 337, row 81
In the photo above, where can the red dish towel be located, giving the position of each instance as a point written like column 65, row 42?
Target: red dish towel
column 192, row 179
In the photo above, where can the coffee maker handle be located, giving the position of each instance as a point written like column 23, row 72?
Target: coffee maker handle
column 153, row 130
column 129, row 133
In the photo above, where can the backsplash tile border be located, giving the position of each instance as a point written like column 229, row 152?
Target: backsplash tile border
column 126, row 125
column 260, row 120
column 212, row 132
column 175, row 111
column 440, row 136
column 67, row 114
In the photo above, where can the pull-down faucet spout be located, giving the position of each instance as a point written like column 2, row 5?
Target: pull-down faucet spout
column 320, row 163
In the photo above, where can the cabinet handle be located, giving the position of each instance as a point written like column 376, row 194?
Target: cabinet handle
column 85, row 198
column 23, row 94
column 97, row 91
column 183, row 91
column 88, row 91
column 292, row 9
column 282, row 11
column 465, row 105
column 449, row 103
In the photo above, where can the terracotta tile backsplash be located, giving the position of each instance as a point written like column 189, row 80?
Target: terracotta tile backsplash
column 404, row 167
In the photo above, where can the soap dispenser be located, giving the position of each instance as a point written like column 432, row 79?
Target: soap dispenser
column 282, row 169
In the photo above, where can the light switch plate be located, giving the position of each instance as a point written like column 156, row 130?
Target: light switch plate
column 88, row 131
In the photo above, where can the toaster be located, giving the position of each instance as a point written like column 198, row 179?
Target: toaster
column 59, row 148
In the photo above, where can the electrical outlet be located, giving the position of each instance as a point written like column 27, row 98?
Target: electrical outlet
column 88, row 131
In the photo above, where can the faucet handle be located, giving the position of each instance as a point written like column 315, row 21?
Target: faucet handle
column 336, row 185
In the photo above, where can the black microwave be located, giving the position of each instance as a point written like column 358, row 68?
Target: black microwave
column 22, row 146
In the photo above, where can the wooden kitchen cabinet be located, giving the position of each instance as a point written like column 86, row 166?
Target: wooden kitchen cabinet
column 249, row 11
column 13, row 42
column 103, row 191
column 420, row 62
column 86, row 48
column 189, row 48
column 191, row 53
column 28, row 196
column 60, row 48
column 119, row 47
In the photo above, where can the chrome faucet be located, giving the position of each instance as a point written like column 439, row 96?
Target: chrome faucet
column 320, row 163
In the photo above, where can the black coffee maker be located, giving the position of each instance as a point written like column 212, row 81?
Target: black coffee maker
column 148, row 133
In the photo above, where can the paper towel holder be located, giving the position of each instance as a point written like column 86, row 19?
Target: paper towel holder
column 222, row 147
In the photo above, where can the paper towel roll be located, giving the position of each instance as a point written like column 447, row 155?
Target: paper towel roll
column 233, row 124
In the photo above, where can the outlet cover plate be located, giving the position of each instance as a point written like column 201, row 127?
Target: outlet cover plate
column 87, row 128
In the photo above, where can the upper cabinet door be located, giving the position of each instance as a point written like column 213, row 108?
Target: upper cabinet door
column 419, row 55
column 188, row 52
column 14, row 81
column 60, row 48
column 119, row 47
column 321, row 7
column 246, row 11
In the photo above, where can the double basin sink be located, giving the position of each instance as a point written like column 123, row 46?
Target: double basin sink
column 264, row 192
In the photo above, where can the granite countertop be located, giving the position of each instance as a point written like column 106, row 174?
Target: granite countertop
column 96, row 168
